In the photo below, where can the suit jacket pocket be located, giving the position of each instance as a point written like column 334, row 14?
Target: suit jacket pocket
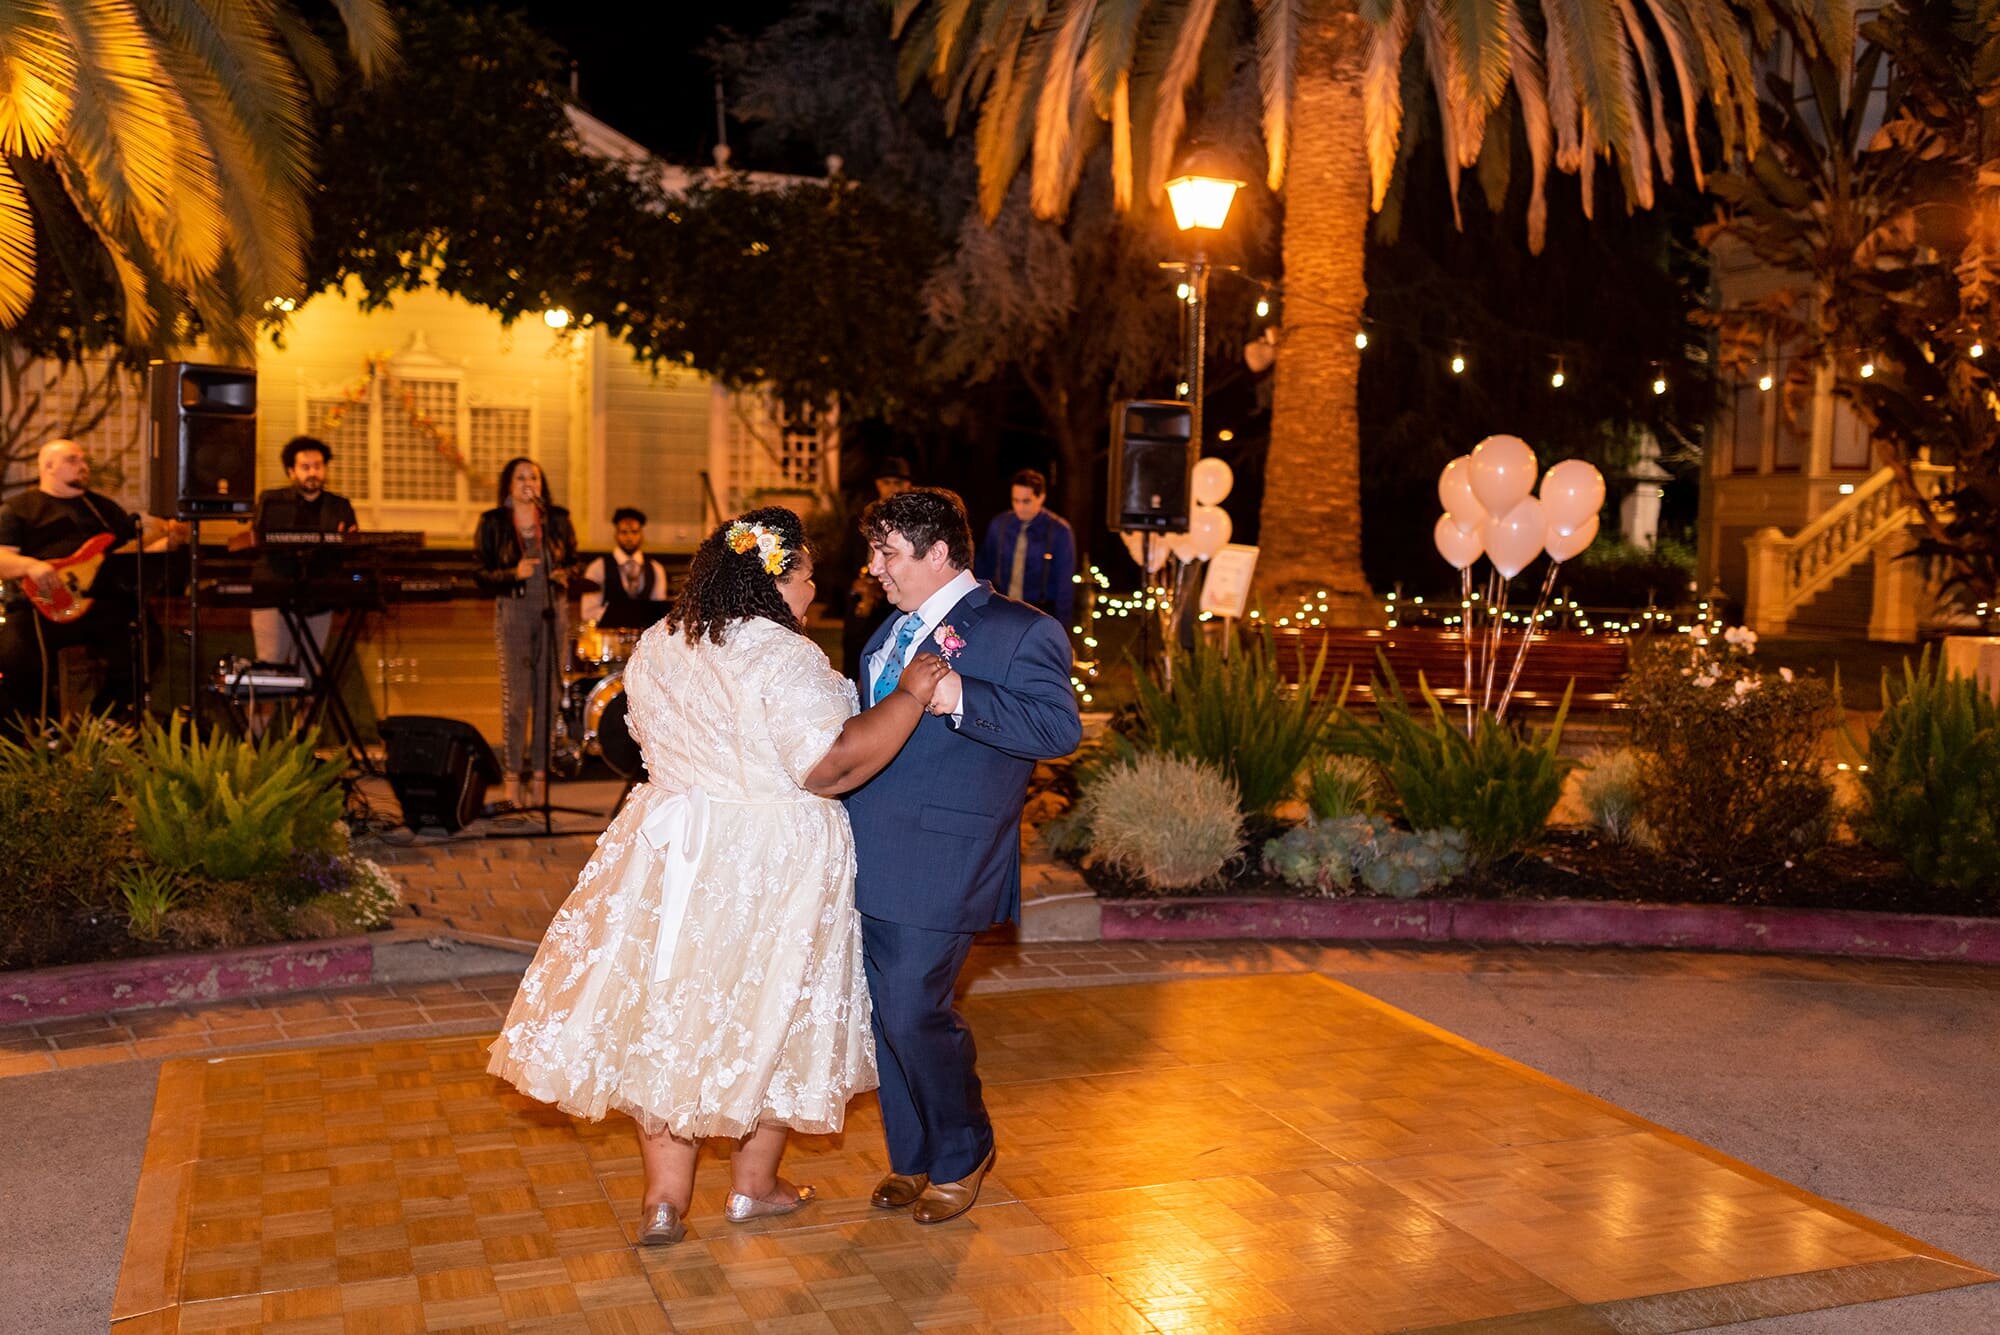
column 964, row 824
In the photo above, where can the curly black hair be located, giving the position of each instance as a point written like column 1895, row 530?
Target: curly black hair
column 724, row 585
column 924, row 517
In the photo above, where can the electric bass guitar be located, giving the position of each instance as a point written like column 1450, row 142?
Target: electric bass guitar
column 68, row 597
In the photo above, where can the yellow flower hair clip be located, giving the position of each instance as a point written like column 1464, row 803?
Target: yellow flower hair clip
column 744, row 538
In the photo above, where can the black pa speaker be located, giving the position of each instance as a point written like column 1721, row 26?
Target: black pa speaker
column 202, row 460
column 1152, row 465
column 439, row 768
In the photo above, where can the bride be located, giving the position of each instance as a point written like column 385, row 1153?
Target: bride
column 705, row 975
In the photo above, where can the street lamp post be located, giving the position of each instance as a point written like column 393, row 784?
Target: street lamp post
column 1201, row 190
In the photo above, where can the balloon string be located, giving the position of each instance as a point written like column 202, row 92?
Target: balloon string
column 1465, row 628
column 1527, row 634
column 1496, row 601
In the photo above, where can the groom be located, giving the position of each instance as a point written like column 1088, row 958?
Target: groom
column 937, row 834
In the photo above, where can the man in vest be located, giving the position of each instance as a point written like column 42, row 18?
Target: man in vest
column 631, row 589
column 1029, row 553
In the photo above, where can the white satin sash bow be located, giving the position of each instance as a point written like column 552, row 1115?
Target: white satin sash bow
column 679, row 825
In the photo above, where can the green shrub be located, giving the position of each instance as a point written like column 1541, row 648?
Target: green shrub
column 1334, row 857
column 1730, row 770
column 1933, row 777
column 1618, row 574
column 1611, row 794
column 1339, row 786
column 1174, row 823
column 1231, row 710
column 148, row 893
column 1498, row 786
column 231, row 809
column 61, row 831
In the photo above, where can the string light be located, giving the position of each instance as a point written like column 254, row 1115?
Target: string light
column 1458, row 363
column 1764, row 382
column 1361, row 340
column 1659, row 384
column 1978, row 349
column 1556, row 380
column 1263, row 307
column 1867, row 369
column 1183, row 292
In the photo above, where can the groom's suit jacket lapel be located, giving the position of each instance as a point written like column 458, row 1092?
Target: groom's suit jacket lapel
column 964, row 614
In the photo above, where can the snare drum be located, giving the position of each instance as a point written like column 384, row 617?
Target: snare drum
column 605, row 646
column 605, row 732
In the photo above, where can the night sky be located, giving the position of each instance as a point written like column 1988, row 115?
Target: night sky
column 639, row 65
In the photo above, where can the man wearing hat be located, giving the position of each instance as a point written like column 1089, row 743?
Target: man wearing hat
column 866, row 608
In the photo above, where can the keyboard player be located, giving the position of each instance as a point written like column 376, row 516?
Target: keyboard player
column 303, row 507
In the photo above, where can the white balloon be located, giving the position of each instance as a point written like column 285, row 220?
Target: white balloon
column 1181, row 545
column 1455, row 544
column 1135, row 544
column 1562, row 546
column 1212, row 481
column 1572, row 492
column 1515, row 539
column 1208, row 531
column 1503, row 473
column 1455, row 492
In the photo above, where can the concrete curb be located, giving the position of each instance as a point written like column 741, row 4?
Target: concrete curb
column 1894, row 936
column 171, row 980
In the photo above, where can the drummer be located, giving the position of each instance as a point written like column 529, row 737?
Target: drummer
column 627, row 588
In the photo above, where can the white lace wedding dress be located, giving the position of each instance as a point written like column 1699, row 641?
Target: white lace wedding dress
column 705, row 974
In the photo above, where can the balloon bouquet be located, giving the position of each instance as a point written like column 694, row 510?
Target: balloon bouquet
column 1488, row 509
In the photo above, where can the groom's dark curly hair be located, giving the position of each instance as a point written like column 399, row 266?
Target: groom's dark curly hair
column 725, row 585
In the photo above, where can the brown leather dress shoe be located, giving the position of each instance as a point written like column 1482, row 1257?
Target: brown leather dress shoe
column 898, row 1190
column 948, row 1200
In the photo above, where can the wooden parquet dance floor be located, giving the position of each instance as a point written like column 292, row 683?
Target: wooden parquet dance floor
column 1262, row 1153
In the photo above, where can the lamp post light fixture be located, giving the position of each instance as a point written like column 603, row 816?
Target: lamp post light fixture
column 1200, row 191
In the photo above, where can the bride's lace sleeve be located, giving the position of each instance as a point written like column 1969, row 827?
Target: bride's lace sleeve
column 808, row 703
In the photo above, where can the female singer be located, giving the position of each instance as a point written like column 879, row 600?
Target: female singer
column 527, row 548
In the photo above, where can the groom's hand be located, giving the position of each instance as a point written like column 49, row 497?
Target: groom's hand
column 950, row 694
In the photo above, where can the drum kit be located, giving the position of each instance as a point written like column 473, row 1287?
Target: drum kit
column 593, row 704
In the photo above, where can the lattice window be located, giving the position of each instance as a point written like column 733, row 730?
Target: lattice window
column 497, row 434
column 412, row 467
column 344, row 427
column 769, row 448
column 798, row 445
column 96, row 403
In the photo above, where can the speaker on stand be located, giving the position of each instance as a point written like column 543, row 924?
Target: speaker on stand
column 1152, row 478
column 201, row 463
column 439, row 768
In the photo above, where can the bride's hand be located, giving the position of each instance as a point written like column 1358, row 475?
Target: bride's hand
column 920, row 678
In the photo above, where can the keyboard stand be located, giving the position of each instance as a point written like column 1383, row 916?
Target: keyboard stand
column 324, row 666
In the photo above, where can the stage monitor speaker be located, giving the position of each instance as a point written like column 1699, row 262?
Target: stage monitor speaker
column 1152, row 465
column 439, row 769
column 202, row 459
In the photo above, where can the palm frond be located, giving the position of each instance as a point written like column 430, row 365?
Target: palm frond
column 1277, row 80
column 1531, row 86
column 1060, row 105
column 1673, row 35
column 1005, row 129
column 118, row 132
column 143, row 320
column 1107, row 59
column 17, row 246
column 1655, row 96
column 307, row 51
column 1169, row 96
column 1121, row 144
column 1382, row 97
column 1485, row 47
column 371, row 35
column 37, row 73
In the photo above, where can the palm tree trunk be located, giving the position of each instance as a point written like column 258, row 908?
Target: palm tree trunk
column 1311, row 529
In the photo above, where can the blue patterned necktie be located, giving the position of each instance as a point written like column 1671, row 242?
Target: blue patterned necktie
column 892, row 671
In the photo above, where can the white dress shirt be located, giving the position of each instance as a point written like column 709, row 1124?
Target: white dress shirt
column 930, row 615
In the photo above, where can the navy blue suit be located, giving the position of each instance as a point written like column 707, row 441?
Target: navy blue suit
column 937, row 841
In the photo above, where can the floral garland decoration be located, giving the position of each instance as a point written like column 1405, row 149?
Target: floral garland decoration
column 744, row 538
column 377, row 364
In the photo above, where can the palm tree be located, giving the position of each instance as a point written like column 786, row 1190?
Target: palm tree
column 168, row 143
column 1587, row 80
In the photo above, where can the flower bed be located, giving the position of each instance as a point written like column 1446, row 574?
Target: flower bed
column 118, row 845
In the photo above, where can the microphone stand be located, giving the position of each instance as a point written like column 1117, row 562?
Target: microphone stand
column 546, row 680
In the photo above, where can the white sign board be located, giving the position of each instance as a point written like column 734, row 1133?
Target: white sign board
column 1227, row 589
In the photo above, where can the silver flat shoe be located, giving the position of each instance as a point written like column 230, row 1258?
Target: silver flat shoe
column 742, row 1209
column 661, row 1225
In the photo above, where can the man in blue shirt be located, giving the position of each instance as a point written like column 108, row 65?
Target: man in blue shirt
column 1029, row 553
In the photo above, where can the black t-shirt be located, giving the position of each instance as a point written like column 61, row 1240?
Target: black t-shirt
column 285, row 510
column 49, row 528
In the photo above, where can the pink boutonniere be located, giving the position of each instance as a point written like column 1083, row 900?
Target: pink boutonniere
column 949, row 643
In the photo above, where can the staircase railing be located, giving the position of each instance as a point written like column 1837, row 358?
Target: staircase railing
column 1786, row 571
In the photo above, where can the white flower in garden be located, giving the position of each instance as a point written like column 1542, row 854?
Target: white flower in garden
column 1705, row 680
column 1784, row 674
column 1741, row 637
column 1745, row 685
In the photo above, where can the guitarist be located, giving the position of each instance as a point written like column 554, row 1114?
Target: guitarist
column 47, row 524
column 306, row 506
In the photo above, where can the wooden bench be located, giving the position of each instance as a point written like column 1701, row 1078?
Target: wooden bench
column 1596, row 663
